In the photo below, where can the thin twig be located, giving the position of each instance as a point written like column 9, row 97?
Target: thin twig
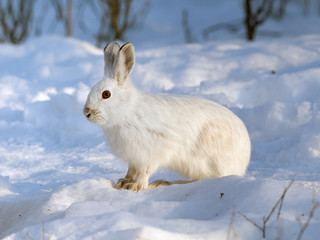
column 28, row 235
column 250, row 221
column 43, row 231
column 265, row 220
column 230, row 228
column 280, row 228
column 279, row 201
column 306, row 224
column 279, row 211
column 282, row 198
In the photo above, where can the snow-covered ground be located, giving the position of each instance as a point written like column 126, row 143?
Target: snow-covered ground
column 52, row 159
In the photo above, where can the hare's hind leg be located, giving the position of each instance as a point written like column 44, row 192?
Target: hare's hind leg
column 159, row 183
column 162, row 183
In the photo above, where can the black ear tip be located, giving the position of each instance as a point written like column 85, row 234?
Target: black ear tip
column 127, row 45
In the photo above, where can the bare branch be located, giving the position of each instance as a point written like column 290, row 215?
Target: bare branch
column 232, row 27
column 64, row 14
column 15, row 20
column 117, row 17
column 186, row 27
column 255, row 17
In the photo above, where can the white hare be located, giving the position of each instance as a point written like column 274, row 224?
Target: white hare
column 191, row 136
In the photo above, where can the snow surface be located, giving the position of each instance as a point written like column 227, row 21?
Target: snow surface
column 56, row 169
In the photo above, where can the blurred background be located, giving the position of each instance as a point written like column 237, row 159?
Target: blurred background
column 157, row 22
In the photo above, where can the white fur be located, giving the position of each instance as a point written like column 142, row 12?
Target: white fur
column 192, row 136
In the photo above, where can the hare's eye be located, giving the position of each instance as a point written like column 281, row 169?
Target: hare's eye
column 106, row 94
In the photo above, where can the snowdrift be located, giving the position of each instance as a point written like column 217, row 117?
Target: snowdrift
column 56, row 169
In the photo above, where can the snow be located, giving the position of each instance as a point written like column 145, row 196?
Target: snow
column 56, row 170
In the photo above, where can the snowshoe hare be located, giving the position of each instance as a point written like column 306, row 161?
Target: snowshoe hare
column 194, row 137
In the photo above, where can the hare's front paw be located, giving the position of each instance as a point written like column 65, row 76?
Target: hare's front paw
column 135, row 186
column 136, row 183
column 123, row 181
column 131, row 186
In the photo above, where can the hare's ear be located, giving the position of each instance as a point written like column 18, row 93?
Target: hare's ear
column 124, row 63
column 110, row 54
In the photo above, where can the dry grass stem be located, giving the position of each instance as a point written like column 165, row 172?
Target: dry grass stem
column 304, row 226
column 28, row 236
column 230, row 228
column 265, row 220
column 43, row 231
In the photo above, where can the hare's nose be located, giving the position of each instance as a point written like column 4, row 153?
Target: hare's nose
column 87, row 112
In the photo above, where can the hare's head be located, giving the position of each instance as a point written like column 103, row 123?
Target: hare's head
column 110, row 99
